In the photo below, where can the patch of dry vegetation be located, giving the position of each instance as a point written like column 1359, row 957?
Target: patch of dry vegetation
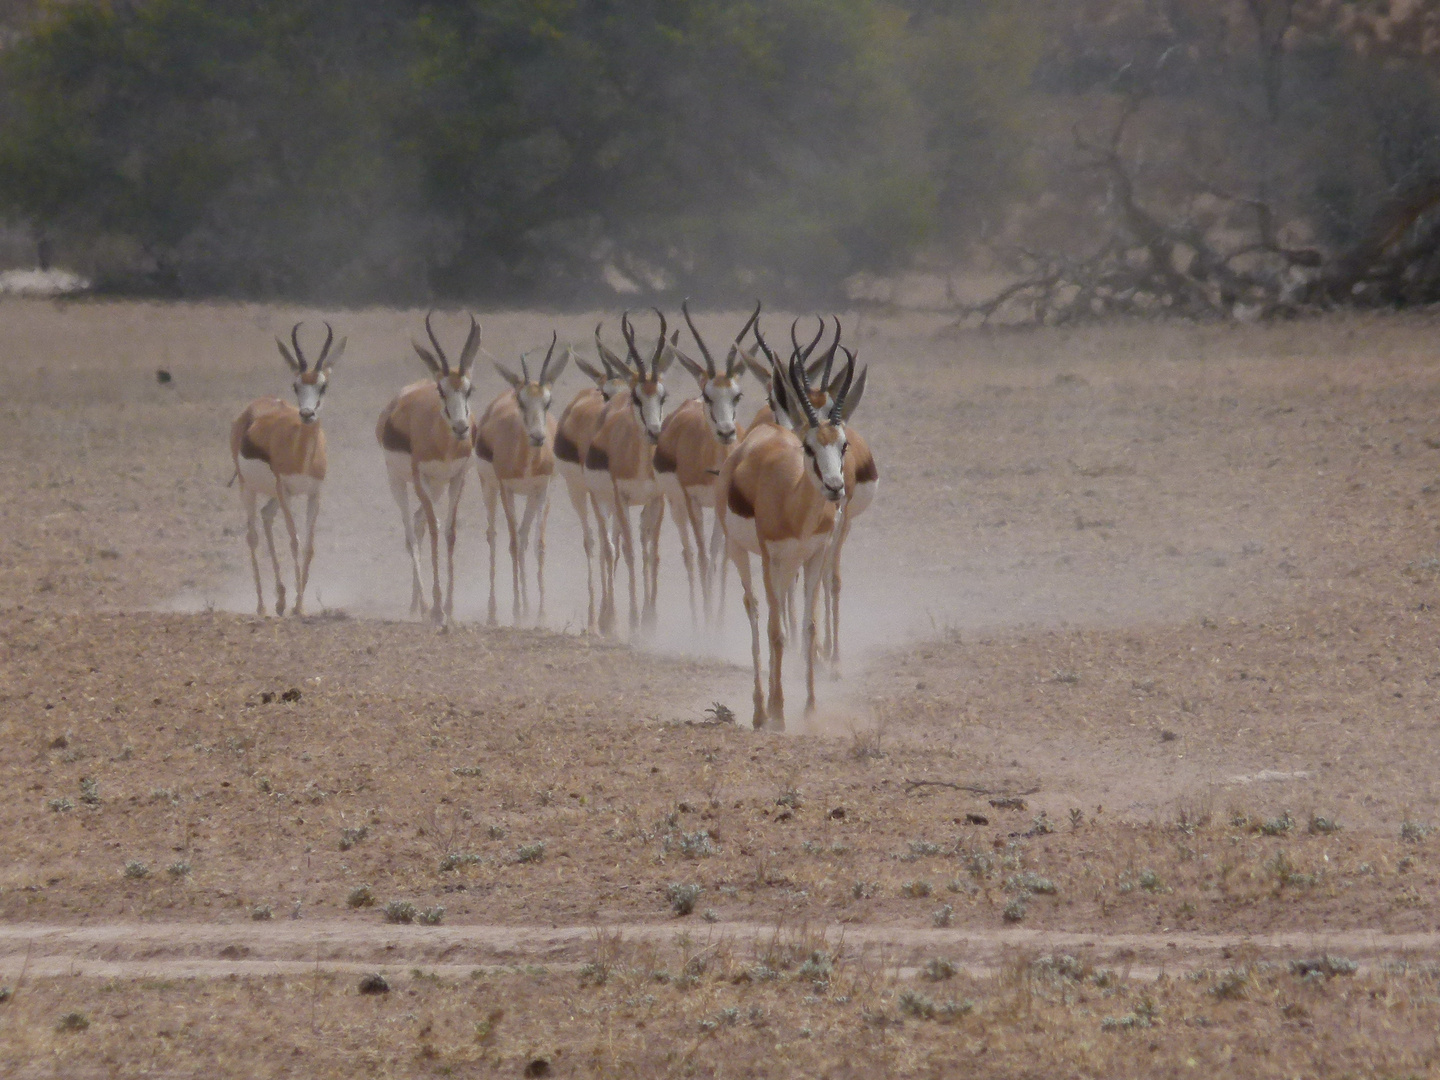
column 712, row 1007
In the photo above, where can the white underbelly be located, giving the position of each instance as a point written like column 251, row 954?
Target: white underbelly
column 741, row 530
column 668, row 484
column 702, row 495
column 863, row 497
column 259, row 477
column 572, row 472
column 435, row 474
column 528, row 487
column 794, row 553
column 636, row 492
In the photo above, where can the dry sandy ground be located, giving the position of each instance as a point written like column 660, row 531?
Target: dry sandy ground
column 1169, row 591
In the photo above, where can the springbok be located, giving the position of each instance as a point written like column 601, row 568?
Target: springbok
column 279, row 452
column 428, row 434
column 862, row 477
column 778, row 495
column 577, row 427
column 514, row 443
column 693, row 442
column 620, row 473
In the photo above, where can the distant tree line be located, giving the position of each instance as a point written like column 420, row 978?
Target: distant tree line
column 1202, row 157
column 506, row 150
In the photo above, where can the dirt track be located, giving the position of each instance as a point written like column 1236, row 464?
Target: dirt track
column 1177, row 585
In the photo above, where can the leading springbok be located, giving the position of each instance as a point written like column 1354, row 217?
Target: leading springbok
column 279, row 452
column 427, row 433
column 778, row 494
column 693, row 442
column 577, row 427
column 514, row 448
column 862, row 477
column 620, row 473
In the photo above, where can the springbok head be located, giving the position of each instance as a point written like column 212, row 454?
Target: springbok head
column 647, row 392
column 534, row 394
column 311, row 380
column 612, row 376
column 719, row 390
column 822, row 433
column 453, row 384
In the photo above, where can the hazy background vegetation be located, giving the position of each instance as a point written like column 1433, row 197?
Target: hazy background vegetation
column 569, row 151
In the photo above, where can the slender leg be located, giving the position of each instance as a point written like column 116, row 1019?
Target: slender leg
column 267, row 515
column 651, row 518
column 607, row 569
column 540, row 553
column 457, row 488
column 527, row 522
column 774, row 598
column 718, row 562
column 312, row 514
column 741, row 558
column 427, row 504
column 579, row 500
column 252, row 537
column 490, row 490
column 294, row 533
column 832, row 595
column 401, row 492
column 627, row 547
column 695, row 513
column 815, row 568
column 680, row 515
column 507, row 503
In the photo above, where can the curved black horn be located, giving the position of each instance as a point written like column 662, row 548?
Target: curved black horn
column 764, row 345
column 837, row 408
column 554, row 337
column 295, row 341
column 660, row 348
column 802, row 390
column 439, row 352
column 816, row 341
column 830, row 355
column 325, row 350
column 735, row 348
column 709, row 360
column 628, row 332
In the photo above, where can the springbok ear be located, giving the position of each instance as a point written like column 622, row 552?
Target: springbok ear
column 552, row 374
column 852, row 399
column 666, row 358
column 336, row 353
column 692, row 366
column 429, row 358
column 590, row 371
column 508, row 375
column 754, row 366
column 289, row 357
column 472, row 346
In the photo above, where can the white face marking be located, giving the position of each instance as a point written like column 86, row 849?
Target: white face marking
column 721, row 397
column 534, row 399
column 308, row 397
column 455, row 403
column 826, row 461
column 648, row 401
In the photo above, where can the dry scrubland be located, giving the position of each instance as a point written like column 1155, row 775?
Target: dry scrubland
column 1165, row 594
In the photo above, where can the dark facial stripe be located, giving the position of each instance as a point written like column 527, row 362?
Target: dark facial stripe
column 663, row 461
column 392, row 438
column 565, row 448
column 597, row 459
column 739, row 504
column 251, row 451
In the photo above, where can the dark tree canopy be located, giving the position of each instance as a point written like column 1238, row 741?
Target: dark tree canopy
column 499, row 149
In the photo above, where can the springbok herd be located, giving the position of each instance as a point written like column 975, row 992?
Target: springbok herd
column 786, row 488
